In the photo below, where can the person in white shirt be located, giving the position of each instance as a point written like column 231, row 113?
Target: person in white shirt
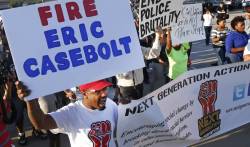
column 246, row 54
column 89, row 122
column 131, row 83
column 207, row 17
column 247, row 21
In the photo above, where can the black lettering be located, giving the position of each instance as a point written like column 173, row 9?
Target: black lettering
column 128, row 110
column 143, row 4
column 140, row 108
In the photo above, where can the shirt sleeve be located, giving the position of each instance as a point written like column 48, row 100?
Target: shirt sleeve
column 186, row 46
column 62, row 118
column 229, row 43
column 154, row 52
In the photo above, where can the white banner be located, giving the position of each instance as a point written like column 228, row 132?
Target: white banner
column 61, row 44
column 185, row 20
column 196, row 106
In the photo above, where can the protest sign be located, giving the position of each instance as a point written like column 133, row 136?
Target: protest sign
column 196, row 106
column 189, row 27
column 185, row 20
column 61, row 44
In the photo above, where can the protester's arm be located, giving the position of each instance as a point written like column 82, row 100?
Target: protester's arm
column 154, row 52
column 230, row 47
column 169, row 41
column 36, row 116
column 246, row 58
column 237, row 50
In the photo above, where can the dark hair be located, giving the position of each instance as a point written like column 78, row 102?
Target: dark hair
column 236, row 20
column 219, row 20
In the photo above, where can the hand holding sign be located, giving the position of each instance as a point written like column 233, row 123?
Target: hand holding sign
column 22, row 90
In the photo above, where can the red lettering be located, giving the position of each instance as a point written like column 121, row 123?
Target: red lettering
column 59, row 13
column 90, row 8
column 44, row 13
column 73, row 10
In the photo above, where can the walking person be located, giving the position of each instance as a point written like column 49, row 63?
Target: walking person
column 207, row 23
column 247, row 21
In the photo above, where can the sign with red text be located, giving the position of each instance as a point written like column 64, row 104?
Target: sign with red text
column 184, row 19
column 198, row 105
column 58, row 45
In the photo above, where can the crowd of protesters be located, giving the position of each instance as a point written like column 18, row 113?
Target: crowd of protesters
column 229, row 42
column 95, row 122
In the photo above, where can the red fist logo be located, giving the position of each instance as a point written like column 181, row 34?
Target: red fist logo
column 100, row 133
column 208, row 96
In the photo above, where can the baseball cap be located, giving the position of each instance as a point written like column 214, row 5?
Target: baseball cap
column 95, row 86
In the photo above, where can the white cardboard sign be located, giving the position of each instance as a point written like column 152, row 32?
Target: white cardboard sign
column 58, row 45
column 185, row 20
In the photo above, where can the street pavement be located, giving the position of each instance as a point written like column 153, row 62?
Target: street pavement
column 202, row 56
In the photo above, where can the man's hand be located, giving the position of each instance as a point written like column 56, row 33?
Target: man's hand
column 22, row 90
column 7, row 89
column 36, row 116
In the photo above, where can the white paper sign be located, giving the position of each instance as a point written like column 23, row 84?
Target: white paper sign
column 189, row 26
column 185, row 20
column 196, row 106
column 58, row 45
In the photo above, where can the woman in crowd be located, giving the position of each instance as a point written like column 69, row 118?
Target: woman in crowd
column 207, row 17
column 236, row 40
column 177, row 56
column 218, row 36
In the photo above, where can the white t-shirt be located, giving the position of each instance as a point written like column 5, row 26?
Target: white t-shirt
column 247, row 49
column 86, row 127
column 207, row 19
